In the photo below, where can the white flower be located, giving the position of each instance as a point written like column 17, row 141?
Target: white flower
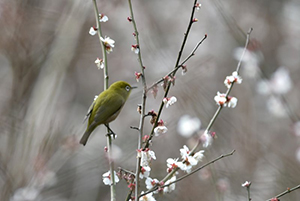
column 160, row 130
column 199, row 155
column 150, row 183
column 232, row 102
column 147, row 197
column 206, row 139
column 198, row 6
column 99, row 63
column 135, row 49
column 170, row 188
column 107, row 178
column 187, row 126
column 146, row 156
column 189, row 161
column 246, row 184
column 220, row 98
column 172, row 163
column 170, row 101
column 145, row 172
column 184, row 151
column 108, row 43
column 232, row 78
column 103, row 18
column 281, row 81
column 93, row 31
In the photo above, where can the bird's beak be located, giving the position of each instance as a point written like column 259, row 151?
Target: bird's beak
column 133, row 87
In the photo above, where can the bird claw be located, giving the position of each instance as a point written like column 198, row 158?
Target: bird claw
column 112, row 134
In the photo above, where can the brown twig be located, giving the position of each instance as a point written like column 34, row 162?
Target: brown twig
column 182, row 63
column 186, row 34
column 289, row 190
column 144, row 97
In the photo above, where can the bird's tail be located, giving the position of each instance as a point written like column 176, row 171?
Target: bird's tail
column 87, row 134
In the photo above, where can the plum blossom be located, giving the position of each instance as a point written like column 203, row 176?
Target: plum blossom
column 107, row 180
column 198, row 6
column 189, row 160
column 221, row 100
column 172, row 163
column 145, row 172
column 108, row 43
column 187, row 125
column 206, row 139
column 280, row 83
column 232, row 78
column 146, row 156
column 160, row 130
column 150, row 183
column 135, row 48
column 99, row 63
column 171, row 187
column 246, row 184
column 93, row 31
column 147, row 197
column 169, row 101
column 103, row 18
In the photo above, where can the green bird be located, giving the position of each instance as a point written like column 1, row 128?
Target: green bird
column 106, row 107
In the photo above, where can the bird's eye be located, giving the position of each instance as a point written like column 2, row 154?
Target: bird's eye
column 127, row 88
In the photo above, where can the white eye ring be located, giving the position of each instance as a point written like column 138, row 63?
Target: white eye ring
column 127, row 88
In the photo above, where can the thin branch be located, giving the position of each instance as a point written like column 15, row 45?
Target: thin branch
column 182, row 63
column 249, row 197
column 186, row 34
column 105, row 73
column 245, row 48
column 289, row 190
column 104, row 55
column 144, row 97
column 227, row 92
column 213, row 118
column 189, row 174
column 126, row 171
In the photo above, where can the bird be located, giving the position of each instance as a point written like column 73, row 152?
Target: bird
column 106, row 107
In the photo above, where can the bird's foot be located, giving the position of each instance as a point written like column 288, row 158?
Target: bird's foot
column 112, row 134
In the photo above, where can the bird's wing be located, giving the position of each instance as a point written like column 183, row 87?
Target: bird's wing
column 108, row 109
column 90, row 110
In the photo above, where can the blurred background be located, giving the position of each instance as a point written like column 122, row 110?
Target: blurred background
column 48, row 80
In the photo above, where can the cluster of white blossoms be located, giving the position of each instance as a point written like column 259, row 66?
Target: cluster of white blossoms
column 146, row 156
column 102, row 18
column 232, row 78
column 188, row 160
column 108, row 43
column 221, row 98
column 279, row 84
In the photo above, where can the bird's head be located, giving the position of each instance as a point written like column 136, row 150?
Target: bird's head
column 122, row 87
